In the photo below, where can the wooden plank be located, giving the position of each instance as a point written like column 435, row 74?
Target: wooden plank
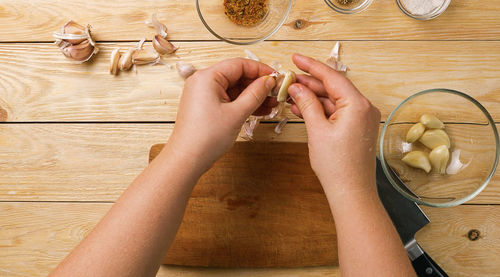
column 124, row 20
column 41, row 234
column 96, row 162
column 37, row 83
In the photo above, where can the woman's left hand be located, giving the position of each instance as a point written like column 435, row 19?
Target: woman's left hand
column 215, row 104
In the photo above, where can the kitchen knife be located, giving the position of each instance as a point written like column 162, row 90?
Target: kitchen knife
column 408, row 218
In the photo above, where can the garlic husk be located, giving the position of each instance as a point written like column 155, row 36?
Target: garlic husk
column 417, row 159
column 81, row 52
column 275, row 65
column 185, row 69
column 160, row 28
column 145, row 56
column 249, row 127
column 288, row 80
column 415, row 132
column 456, row 165
column 432, row 122
column 434, row 138
column 72, row 32
column 114, row 59
column 250, row 55
column 333, row 59
column 125, row 62
column 439, row 157
column 280, row 125
column 276, row 111
column 163, row 46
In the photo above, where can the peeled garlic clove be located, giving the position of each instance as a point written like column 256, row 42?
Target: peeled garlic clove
column 432, row 122
column 79, row 52
column 115, row 58
column 144, row 56
column 125, row 62
column 415, row 132
column 434, row 138
column 288, row 80
column 163, row 46
column 185, row 69
column 417, row 159
column 439, row 157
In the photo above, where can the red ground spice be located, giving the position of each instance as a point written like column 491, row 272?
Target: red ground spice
column 245, row 12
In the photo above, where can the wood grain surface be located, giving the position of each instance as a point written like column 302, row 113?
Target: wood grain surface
column 27, row 20
column 35, row 236
column 37, row 83
column 96, row 162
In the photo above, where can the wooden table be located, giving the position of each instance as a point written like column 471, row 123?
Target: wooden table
column 72, row 137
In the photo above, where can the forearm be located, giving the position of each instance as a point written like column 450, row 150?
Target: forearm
column 368, row 243
column 134, row 236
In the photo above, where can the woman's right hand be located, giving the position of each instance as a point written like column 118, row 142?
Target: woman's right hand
column 342, row 128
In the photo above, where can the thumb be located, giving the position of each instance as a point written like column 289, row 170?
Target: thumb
column 308, row 103
column 254, row 95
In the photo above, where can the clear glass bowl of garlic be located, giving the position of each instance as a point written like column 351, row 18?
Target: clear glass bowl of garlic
column 473, row 147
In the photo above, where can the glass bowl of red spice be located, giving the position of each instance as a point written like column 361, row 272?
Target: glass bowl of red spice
column 243, row 22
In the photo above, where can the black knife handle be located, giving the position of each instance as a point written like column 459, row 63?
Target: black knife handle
column 426, row 267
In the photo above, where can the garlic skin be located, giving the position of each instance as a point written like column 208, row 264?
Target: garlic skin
column 418, row 159
column 163, row 46
column 432, row 122
column 73, row 29
column 160, row 28
column 145, row 56
column 439, row 157
column 185, row 69
column 434, row 138
column 125, row 62
column 288, row 80
column 415, row 132
column 280, row 125
column 75, row 42
column 115, row 58
column 333, row 59
column 456, row 165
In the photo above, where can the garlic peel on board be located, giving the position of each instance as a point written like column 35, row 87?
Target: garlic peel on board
column 333, row 59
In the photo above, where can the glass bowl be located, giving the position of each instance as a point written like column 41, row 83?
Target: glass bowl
column 348, row 6
column 212, row 15
column 427, row 16
column 474, row 143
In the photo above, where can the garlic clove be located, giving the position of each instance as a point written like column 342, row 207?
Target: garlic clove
column 79, row 52
column 125, row 62
column 163, row 46
column 439, row 157
column 432, row 122
column 115, row 58
column 288, row 80
column 185, row 69
column 415, row 132
column 144, row 56
column 417, row 159
column 434, row 138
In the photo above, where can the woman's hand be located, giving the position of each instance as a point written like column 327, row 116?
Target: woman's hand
column 215, row 104
column 342, row 127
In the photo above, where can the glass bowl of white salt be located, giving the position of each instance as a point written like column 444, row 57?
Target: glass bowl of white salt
column 423, row 9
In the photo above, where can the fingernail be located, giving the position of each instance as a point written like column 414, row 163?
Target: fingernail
column 293, row 90
column 270, row 82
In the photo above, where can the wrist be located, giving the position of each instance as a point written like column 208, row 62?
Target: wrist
column 183, row 161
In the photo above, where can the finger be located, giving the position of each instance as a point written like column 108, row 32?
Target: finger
column 254, row 95
column 314, row 84
column 337, row 85
column 295, row 110
column 327, row 104
column 309, row 106
column 227, row 73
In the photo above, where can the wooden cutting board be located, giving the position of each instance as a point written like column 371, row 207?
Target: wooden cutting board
column 259, row 206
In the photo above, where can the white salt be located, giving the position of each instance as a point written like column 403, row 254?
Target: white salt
column 422, row 7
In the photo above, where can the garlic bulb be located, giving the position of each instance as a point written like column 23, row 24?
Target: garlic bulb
column 434, row 138
column 417, row 159
column 185, row 69
column 415, row 132
column 432, row 122
column 75, row 42
column 439, row 157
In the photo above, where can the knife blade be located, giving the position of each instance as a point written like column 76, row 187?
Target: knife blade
column 408, row 218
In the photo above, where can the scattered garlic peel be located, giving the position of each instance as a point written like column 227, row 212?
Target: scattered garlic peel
column 114, row 60
column 280, row 125
column 456, row 165
column 250, row 55
column 333, row 59
column 249, row 126
column 160, row 28
column 275, row 65
column 185, row 69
